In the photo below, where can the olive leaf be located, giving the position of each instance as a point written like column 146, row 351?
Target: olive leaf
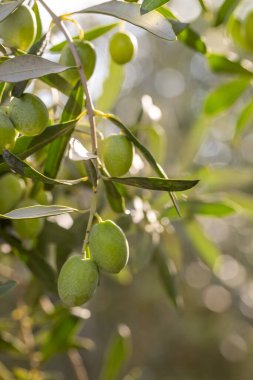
column 37, row 211
column 6, row 287
column 7, row 8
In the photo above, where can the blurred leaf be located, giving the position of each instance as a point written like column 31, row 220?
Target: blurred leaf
column 27, row 171
column 225, row 95
column 91, row 172
column 244, row 201
column 225, row 11
column 117, row 354
column 60, row 336
column 153, row 22
column 89, row 35
column 206, row 249
column 192, row 39
column 221, row 64
column 167, row 274
column 145, row 152
column 244, row 119
column 111, row 87
column 5, row 373
column 38, row 22
column 150, row 5
column 27, row 67
column 193, row 207
column 10, row 344
column 37, row 211
column 6, row 287
column 72, row 110
column 7, row 8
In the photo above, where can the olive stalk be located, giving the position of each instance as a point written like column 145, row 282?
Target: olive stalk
column 89, row 106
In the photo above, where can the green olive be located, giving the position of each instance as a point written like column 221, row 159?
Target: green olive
column 117, row 154
column 77, row 281
column 108, row 246
column 122, row 47
column 19, row 28
column 11, row 191
column 7, row 132
column 29, row 114
column 28, row 228
column 87, row 54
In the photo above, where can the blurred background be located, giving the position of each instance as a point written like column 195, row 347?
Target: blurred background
column 202, row 262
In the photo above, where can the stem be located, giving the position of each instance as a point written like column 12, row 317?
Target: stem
column 89, row 106
column 89, row 103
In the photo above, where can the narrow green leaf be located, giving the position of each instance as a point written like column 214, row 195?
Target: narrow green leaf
column 225, row 95
column 27, row 171
column 38, row 22
column 25, row 146
column 221, row 64
column 27, row 66
column 193, row 207
column 7, row 8
column 89, row 35
column 192, row 39
column 150, row 5
column 206, row 249
column 117, row 353
column 155, row 183
column 2, row 88
column 225, row 11
column 72, row 109
column 58, row 82
column 116, row 200
column 111, row 87
column 37, row 211
column 167, row 274
column 153, row 23
column 6, row 287
column 244, row 119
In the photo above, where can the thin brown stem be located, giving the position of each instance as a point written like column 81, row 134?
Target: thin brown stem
column 78, row 366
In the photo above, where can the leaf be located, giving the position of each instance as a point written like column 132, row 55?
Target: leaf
column 117, row 353
column 225, row 95
column 221, row 64
column 2, row 88
column 7, row 8
column 58, row 82
column 6, row 287
column 77, row 152
column 111, row 87
column 116, row 200
column 26, row 170
column 153, row 23
column 192, row 39
column 150, row 5
column 37, row 211
column 89, row 35
column 38, row 22
column 27, row 67
column 156, row 183
column 225, row 11
column 193, row 207
column 72, row 109
column 165, row 269
column 244, row 119
column 206, row 249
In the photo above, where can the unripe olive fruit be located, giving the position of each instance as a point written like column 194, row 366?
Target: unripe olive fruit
column 235, row 30
column 19, row 28
column 28, row 228
column 7, row 132
column 77, row 281
column 108, row 246
column 122, row 47
column 117, row 154
column 11, row 191
column 87, row 54
column 29, row 114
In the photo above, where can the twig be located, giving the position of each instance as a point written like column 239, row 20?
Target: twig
column 77, row 363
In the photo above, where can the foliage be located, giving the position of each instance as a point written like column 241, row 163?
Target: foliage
column 182, row 231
